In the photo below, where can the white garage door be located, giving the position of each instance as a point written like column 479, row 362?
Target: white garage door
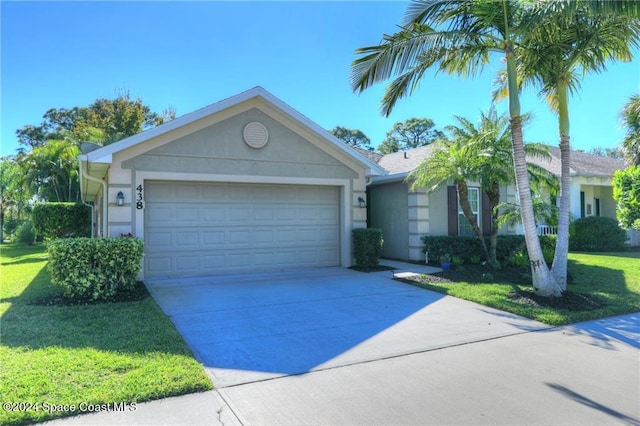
column 206, row 228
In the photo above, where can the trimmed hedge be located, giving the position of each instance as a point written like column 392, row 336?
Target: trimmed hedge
column 597, row 233
column 467, row 247
column 95, row 268
column 61, row 220
column 367, row 246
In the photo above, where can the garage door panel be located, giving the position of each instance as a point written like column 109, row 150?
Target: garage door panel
column 204, row 228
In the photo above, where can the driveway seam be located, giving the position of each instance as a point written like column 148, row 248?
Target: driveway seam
column 387, row 357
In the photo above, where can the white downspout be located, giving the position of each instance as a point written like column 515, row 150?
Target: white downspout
column 105, row 200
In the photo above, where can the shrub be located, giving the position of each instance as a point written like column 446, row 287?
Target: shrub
column 367, row 246
column 519, row 260
column 60, row 220
column 457, row 262
column 595, row 233
column 95, row 268
column 25, row 233
column 10, row 227
column 468, row 248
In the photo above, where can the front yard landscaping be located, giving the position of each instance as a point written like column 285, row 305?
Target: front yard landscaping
column 600, row 285
column 81, row 355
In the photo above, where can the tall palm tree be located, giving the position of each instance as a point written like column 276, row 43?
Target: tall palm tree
column 564, row 41
column 458, row 37
column 631, row 119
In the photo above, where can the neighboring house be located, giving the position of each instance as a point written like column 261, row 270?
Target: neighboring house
column 405, row 215
column 591, row 184
column 245, row 184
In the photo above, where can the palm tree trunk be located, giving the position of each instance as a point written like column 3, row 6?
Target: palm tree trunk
column 463, row 197
column 560, row 258
column 494, row 197
column 544, row 282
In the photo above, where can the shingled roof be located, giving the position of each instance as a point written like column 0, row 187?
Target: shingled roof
column 582, row 164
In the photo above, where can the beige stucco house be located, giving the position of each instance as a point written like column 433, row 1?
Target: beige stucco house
column 247, row 183
column 405, row 215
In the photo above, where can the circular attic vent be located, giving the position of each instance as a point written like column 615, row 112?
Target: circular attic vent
column 255, row 135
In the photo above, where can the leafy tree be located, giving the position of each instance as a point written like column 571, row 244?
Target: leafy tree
column 608, row 152
column 412, row 133
column 626, row 192
column 13, row 197
column 104, row 121
column 631, row 118
column 353, row 137
column 50, row 171
column 389, row 146
column 457, row 37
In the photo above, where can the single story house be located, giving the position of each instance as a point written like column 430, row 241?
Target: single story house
column 405, row 215
column 245, row 184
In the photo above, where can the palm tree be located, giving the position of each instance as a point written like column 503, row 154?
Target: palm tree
column 477, row 153
column 631, row 119
column 563, row 43
column 458, row 37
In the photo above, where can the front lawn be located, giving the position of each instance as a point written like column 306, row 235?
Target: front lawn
column 81, row 355
column 601, row 285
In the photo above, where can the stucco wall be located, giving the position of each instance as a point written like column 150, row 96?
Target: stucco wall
column 220, row 148
column 389, row 212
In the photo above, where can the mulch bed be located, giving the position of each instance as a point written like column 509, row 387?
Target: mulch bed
column 569, row 300
column 139, row 292
column 376, row 268
column 478, row 274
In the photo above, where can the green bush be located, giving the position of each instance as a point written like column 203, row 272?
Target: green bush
column 367, row 246
column 468, row 248
column 596, row 233
column 519, row 260
column 95, row 268
column 10, row 227
column 25, row 233
column 61, row 220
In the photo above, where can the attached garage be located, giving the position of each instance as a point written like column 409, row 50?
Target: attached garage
column 209, row 228
column 247, row 184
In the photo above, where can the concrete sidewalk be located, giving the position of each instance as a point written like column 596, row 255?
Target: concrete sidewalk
column 585, row 373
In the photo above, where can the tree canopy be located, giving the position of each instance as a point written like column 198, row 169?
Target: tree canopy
column 103, row 122
column 626, row 191
column 353, row 137
column 631, row 120
column 408, row 134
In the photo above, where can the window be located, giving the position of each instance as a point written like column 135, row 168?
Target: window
column 464, row 227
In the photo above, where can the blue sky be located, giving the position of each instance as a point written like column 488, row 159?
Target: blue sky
column 189, row 55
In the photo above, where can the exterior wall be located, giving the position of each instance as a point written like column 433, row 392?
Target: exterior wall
column 388, row 210
column 405, row 217
column 214, row 151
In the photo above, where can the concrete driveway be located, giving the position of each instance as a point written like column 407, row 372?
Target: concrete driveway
column 249, row 328
column 339, row 347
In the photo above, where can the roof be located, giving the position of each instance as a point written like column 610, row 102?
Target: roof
column 105, row 154
column 582, row 164
column 406, row 161
column 371, row 155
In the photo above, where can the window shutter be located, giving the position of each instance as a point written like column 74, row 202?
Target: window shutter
column 487, row 210
column 452, row 210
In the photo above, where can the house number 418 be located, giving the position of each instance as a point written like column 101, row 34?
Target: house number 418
column 139, row 197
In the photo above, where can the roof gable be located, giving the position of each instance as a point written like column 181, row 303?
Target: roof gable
column 105, row 154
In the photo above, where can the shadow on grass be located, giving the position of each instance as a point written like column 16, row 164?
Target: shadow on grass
column 593, row 404
column 134, row 327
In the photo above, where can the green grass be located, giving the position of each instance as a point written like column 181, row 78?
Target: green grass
column 98, row 354
column 610, row 278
